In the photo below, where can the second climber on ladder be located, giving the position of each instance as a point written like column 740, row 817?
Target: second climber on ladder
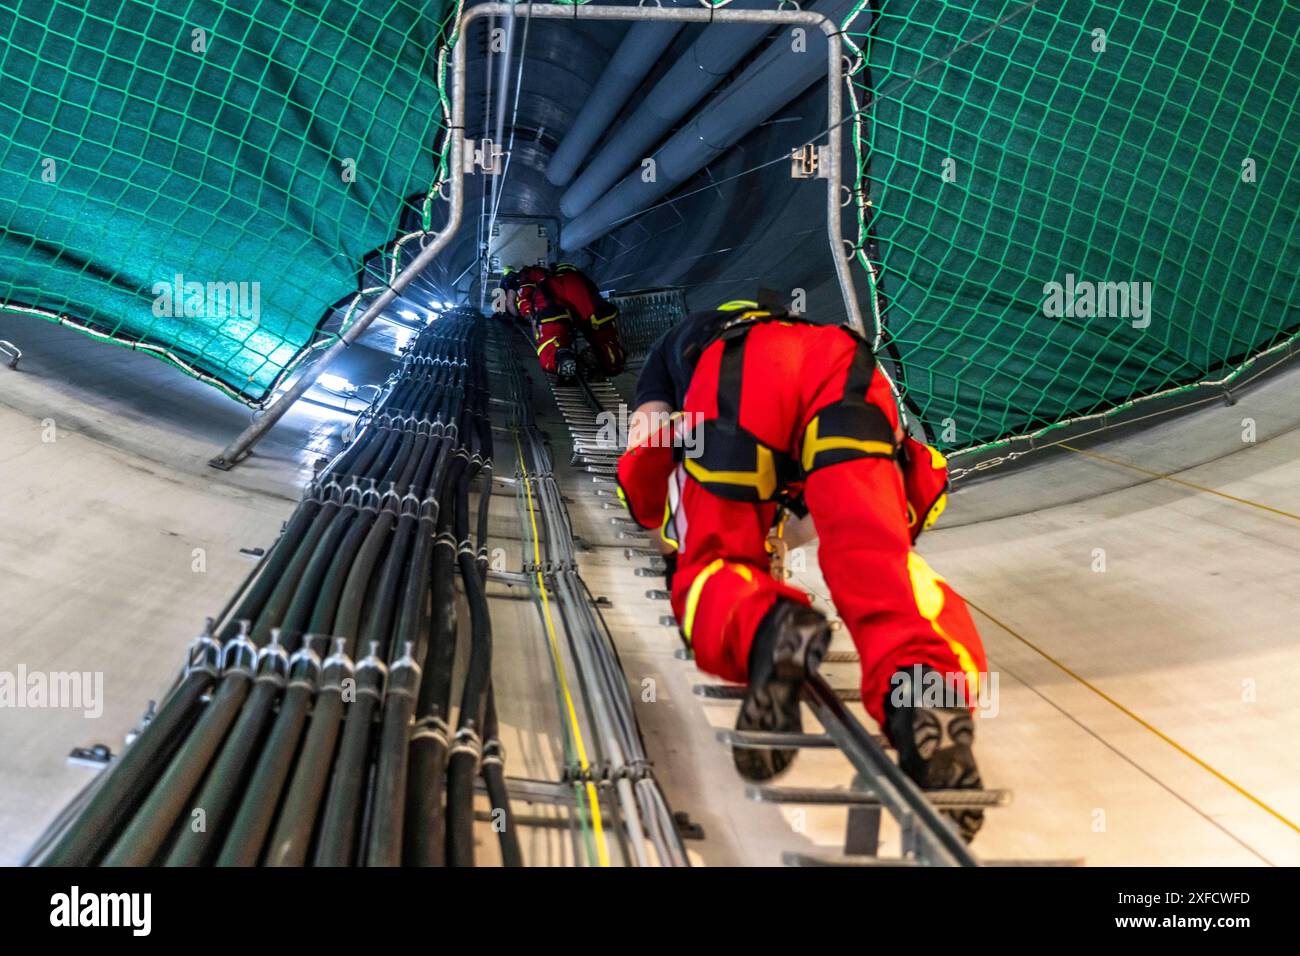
column 561, row 304
column 782, row 412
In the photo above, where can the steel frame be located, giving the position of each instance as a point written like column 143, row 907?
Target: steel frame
column 239, row 448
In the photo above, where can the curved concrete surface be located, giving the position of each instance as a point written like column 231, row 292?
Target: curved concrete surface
column 1143, row 628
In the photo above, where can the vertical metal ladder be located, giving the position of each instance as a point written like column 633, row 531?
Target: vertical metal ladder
column 879, row 786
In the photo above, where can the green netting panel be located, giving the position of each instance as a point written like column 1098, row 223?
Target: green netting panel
column 1131, row 163
column 257, row 150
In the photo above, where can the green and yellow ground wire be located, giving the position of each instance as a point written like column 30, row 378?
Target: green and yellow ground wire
column 602, row 848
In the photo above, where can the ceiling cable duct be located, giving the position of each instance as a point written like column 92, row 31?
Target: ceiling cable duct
column 487, row 122
column 710, row 58
column 502, row 92
column 514, row 118
column 641, row 48
column 503, row 74
column 781, row 73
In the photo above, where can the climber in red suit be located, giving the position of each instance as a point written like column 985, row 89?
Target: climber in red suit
column 596, row 317
column 528, row 295
column 776, row 411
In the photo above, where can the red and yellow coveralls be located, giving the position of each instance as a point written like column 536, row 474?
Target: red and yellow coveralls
column 550, row 320
column 782, row 406
column 596, row 316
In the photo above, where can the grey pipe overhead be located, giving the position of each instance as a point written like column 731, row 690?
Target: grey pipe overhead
column 782, row 72
column 503, row 75
column 642, row 46
column 503, row 94
column 713, row 55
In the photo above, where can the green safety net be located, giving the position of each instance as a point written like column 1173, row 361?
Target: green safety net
column 204, row 180
column 1005, row 146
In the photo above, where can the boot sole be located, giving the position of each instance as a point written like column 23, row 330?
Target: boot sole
column 953, row 768
column 774, row 707
column 944, row 743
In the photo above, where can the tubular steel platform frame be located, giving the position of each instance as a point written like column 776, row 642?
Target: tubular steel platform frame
column 462, row 162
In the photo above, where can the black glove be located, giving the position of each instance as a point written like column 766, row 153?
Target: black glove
column 670, row 568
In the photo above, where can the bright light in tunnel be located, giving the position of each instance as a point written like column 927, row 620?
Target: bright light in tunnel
column 409, row 314
column 403, row 338
column 335, row 383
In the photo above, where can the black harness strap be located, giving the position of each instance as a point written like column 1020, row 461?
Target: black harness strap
column 731, row 377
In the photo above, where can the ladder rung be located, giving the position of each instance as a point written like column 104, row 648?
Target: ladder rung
column 807, row 859
column 942, row 799
column 768, row 740
column 1069, row 861
column 737, row 692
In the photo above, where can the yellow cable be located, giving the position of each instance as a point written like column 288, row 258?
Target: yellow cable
column 1124, row 710
column 1179, row 481
column 602, row 851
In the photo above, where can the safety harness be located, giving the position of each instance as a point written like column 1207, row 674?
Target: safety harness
column 734, row 464
column 606, row 311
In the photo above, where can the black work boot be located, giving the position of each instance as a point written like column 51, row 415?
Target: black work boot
column 933, row 744
column 589, row 364
column 790, row 643
column 566, row 366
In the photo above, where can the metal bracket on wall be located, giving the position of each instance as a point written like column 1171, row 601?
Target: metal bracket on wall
column 11, row 350
column 810, row 161
column 482, row 155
